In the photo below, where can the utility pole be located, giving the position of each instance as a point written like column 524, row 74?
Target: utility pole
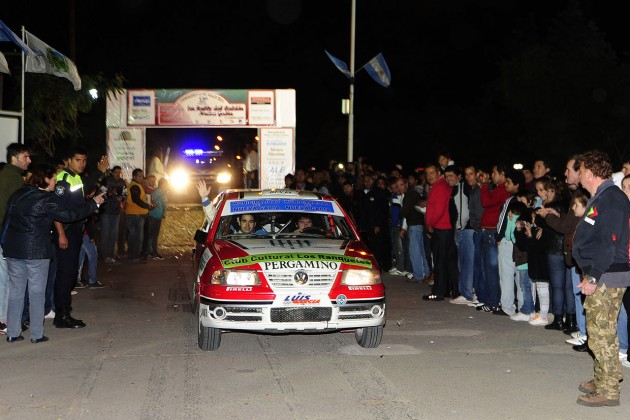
column 353, row 20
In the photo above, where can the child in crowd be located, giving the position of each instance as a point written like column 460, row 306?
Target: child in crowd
column 527, row 238
column 526, row 310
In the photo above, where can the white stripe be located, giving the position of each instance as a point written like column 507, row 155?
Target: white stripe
column 76, row 187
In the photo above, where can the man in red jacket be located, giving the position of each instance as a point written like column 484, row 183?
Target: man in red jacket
column 492, row 202
column 439, row 224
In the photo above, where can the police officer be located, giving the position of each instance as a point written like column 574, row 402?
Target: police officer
column 70, row 192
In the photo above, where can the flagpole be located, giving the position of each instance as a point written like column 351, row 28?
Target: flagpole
column 351, row 98
column 22, row 91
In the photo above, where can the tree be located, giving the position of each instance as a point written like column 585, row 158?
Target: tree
column 568, row 93
column 52, row 107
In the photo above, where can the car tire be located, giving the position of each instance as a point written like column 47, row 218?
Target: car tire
column 369, row 337
column 208, row 339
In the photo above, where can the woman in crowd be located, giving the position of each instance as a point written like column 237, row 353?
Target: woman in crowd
column 28, row 247
column 552, row 194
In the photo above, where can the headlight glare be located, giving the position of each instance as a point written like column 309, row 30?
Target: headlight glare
column 361, row 277
column 224, row 177
column 235, row 278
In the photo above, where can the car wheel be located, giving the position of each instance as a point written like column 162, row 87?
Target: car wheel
column 208, row 339
column 369, row 337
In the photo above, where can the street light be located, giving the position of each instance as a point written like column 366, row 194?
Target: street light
column 93, row 93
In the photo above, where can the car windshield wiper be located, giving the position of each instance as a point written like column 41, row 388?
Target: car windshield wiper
column 246, row 235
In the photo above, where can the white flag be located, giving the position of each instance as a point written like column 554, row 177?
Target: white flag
column 4, row 66
column 48, row 60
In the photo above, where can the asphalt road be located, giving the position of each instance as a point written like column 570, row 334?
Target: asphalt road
column 138, row 359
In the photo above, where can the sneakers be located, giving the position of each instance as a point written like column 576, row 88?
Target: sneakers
column 461, row 301
column 576, row 334
column 486, row 308
column 597, row 400
column 3, row 328
column 520, row 317
column 96, row 285
column 578, row 340
column 159, row 258
column 538, row 320
column 395, row 272
column 475, row 303
column 79, row 285
column 50, row 315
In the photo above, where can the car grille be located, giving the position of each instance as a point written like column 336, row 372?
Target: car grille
column 280, row 280
column 300, row 314
column 355, row 312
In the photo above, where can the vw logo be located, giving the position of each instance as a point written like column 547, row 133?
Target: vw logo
column 300, row 277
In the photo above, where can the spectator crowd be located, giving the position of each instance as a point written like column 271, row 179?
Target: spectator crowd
column 55, row 216
column 537, row 245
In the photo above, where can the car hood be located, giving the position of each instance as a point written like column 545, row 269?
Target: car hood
column 255, row 252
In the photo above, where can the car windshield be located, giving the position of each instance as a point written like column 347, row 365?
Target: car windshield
column 284, row 224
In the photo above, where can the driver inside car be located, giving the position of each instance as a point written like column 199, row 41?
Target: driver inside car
column 247, row 224
column 303, row 222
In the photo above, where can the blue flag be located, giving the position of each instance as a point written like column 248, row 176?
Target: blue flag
column 340, row 65
column 378, row 70
column 7, row 35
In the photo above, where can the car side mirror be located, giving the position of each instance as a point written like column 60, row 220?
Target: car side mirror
column 200, row 236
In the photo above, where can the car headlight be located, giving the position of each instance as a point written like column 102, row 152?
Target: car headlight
column 178, row 179
column 360, row 277
column 235, row 278
column 224, row 177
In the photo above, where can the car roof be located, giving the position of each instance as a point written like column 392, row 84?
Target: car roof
column 282, row 200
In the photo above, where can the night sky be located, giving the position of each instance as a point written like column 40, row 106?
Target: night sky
column 443, row 55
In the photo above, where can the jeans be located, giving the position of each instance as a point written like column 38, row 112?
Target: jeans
column 4, row 287
column 153, row 226
column 490, row 264
column 479, row 282
column 397, row 248
column 33, row 273
column 580, row 316
column 622, row 330
column 507, row 273
column 527, row 302
column 135, row 226
column 417, row 251
column 466, row 254
column 557, row 274
column 88, row 248
column 49, row 303
column 109, row 233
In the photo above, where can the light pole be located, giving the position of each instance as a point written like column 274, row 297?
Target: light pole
column 353, row 18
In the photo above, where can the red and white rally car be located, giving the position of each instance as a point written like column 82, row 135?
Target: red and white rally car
column 285, row 261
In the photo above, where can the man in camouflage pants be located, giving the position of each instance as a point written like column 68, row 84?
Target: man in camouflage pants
column 601, row 248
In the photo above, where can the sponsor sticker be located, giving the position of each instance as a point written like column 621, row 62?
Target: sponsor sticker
column 300, row 299
column 297, row 260
column 359, row 287
column 281, row 204
column 205, row 257
column 238, row 289
column 341, row 299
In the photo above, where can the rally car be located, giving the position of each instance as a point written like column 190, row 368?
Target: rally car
column 283, row 261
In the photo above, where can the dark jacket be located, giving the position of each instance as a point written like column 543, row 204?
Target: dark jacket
column 600, row 244
column 411, row 199
column 537, row 265
column 30, row 213
column 10, row 181
column 565, row 224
